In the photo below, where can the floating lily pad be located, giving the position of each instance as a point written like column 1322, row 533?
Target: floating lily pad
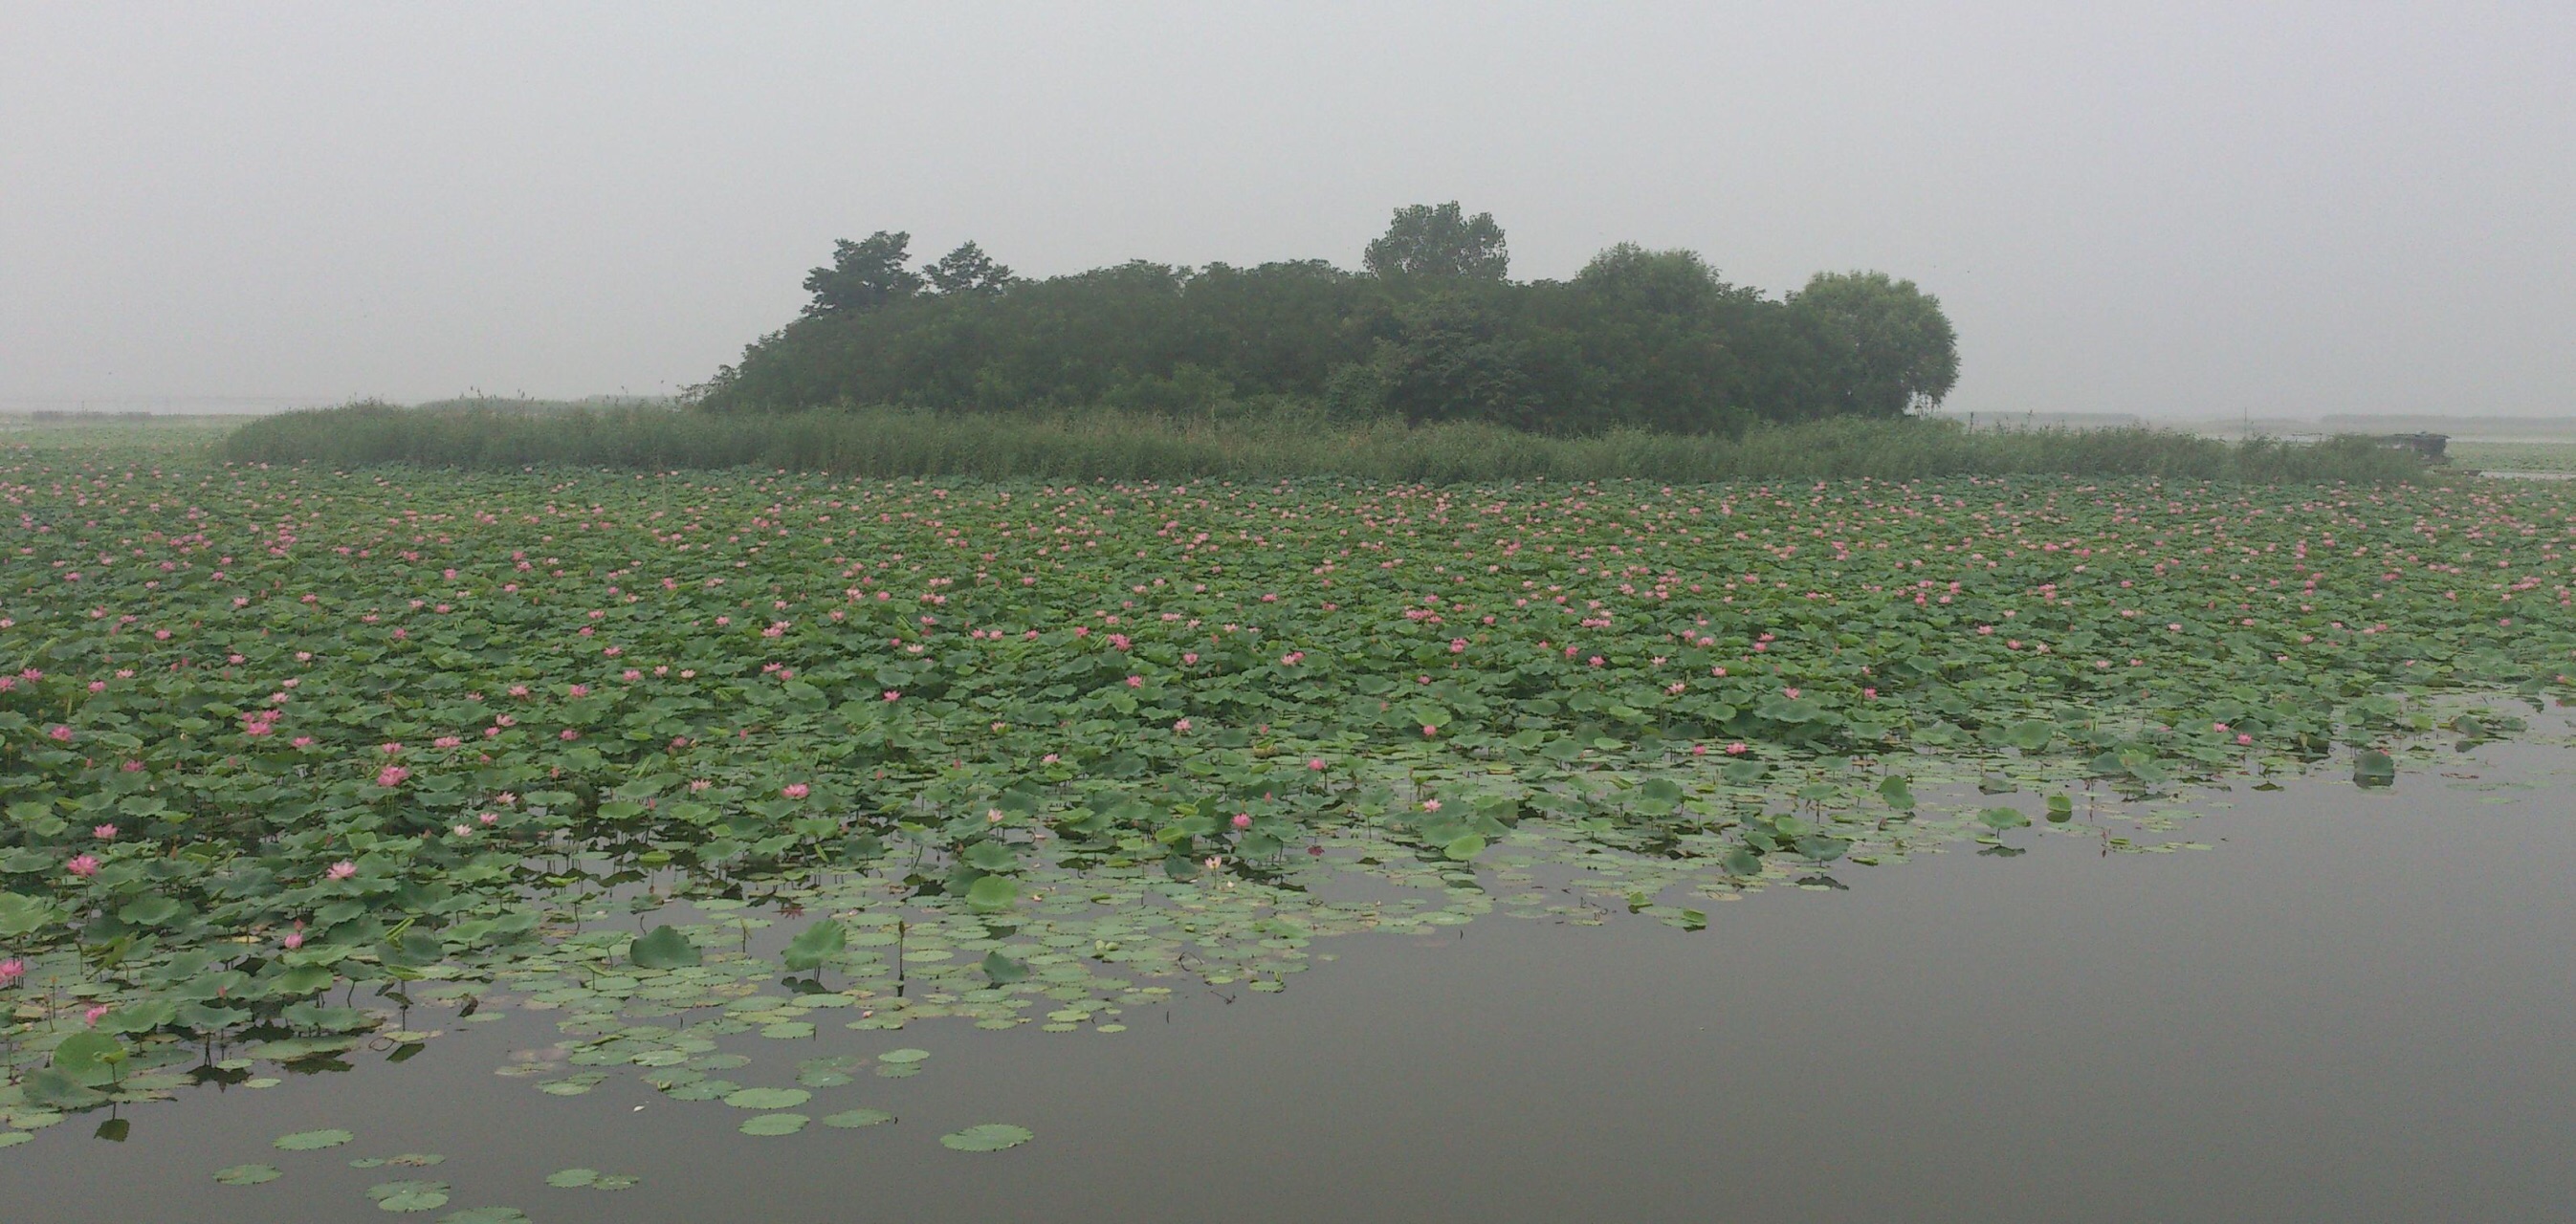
column 247, row 1174
column 775, row 1124
column 313, row 1140
column 986, row 1137
column 409, row 1196
column 852, row 1118
column 409, row 1160
column 571, row 1179
column 767, row 1098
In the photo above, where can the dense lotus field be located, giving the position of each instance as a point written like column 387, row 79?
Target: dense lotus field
column 286, row 754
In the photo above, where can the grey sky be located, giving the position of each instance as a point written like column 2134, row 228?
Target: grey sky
column 2169, row 208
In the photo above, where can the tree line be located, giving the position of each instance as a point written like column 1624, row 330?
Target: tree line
column 1431, row 328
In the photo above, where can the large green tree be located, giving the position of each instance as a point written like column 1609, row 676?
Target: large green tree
column 969, row 270
column 1439, row 241
column 864, row 275
column 1893, row 348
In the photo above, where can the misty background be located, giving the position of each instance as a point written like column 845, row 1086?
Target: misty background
column 2172, row 210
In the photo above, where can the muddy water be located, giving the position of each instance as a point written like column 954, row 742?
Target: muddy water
column 2356, row 1006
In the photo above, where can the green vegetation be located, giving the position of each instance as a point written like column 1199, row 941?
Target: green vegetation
column 1116, row 445
column 2514, row 456
column 293, row 758
column 1433, row 330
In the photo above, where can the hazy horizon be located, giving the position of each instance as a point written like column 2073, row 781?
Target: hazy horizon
column 2178, row 211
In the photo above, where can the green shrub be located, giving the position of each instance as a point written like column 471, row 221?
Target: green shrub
column 1115, row 444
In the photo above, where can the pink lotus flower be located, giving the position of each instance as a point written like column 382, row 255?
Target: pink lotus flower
column 60, row 733
column 82, row 865
column 1735, row 749
column 341, row 870
column 1243, row 820
column 105, row 832
column 92, row 1014
column 1182, row 725
column 1135, row 682
column 293, row 940
column 391, row 776
column 1429, row 731
column 1316, row 763
column 446, row 741
column 893, row 695
column 794, row 790
column 568, row 735
column 11, row 970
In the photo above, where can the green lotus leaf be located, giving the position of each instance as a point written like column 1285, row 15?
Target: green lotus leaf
column 986, row 1137
column 767, row 1098
column 815, row 945
column 1002, row 970
column 409, row 1196
column 313, row 1140
column 775, row 1124
column 664, row 947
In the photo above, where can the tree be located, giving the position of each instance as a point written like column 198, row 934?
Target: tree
column 863, row 276
column 1455, row 357
column 968, row 270
column 1894, row 348
column 1439, row 241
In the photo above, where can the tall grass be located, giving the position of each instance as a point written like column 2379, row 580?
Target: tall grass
column 1118, row 445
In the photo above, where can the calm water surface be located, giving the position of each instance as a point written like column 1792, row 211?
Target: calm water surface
column 2359, row 1006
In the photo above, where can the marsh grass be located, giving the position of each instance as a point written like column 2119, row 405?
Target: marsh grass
column 1119, row 445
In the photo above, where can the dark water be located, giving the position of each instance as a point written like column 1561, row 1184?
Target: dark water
column 2359, row 1006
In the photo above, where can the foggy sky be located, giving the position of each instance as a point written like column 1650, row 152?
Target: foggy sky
column 2168, row 208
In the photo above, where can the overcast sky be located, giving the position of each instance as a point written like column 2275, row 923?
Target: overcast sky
column 2174, row 209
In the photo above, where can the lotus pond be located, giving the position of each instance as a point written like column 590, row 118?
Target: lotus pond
column 748, row 824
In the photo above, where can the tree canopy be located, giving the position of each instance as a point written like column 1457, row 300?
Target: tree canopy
column 1433, row 329
column 1439, row 240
